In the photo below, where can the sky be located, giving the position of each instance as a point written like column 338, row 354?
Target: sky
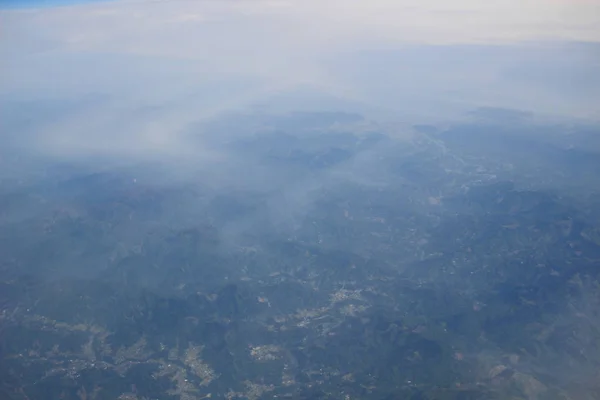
column 191, row 60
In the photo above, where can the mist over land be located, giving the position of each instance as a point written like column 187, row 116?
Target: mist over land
column 307, row 200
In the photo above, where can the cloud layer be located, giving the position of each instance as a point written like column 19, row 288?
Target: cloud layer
column 190, row 60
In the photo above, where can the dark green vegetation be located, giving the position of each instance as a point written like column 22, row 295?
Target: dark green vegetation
column 322, row 257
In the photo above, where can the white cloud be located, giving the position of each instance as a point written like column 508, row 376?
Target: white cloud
column 283, row 40
column 270, row 38
column 162, row 53
column 194, row 28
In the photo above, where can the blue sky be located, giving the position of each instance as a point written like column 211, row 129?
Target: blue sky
column 42, row 3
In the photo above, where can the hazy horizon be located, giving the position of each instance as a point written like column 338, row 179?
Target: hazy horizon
column 299, row 199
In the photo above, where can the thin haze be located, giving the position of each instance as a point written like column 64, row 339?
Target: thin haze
column 143, row 72
column 444, row 153
column 277, row 44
